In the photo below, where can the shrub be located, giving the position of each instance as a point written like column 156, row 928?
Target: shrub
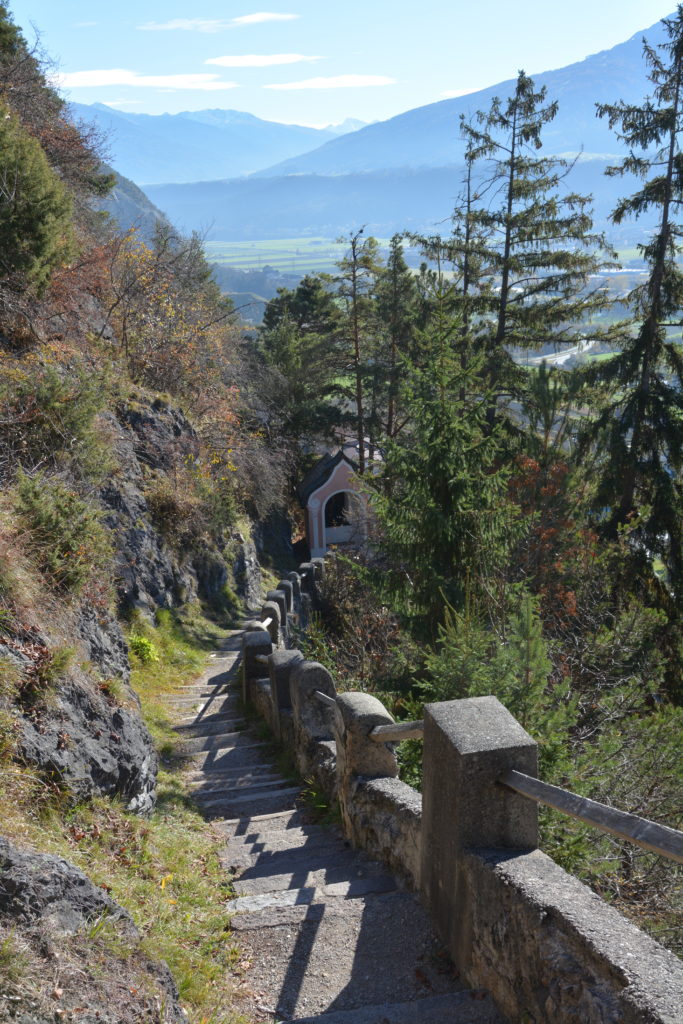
column 66, row 536
column 47, row 419
column 143, row 648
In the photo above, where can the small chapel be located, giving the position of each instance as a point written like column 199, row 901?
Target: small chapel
column 334, row 506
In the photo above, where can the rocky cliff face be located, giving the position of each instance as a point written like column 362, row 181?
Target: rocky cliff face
column 152, row 440
column 84, row 733
column 51, row 915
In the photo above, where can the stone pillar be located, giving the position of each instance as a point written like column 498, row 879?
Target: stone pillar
column 357, row 755
column 295, row 580
column 255, row 643
column 307, row 572
column 467, row 745
column 312, row 719
column 271, row 610
column 318, row 568
column 280, row 600
column 288, row 590
column 280, row 667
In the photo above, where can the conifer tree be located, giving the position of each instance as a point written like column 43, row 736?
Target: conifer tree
column 534, row 271
column 35, row 210
column 642, row 421
column 396, row 315
column 356, row 284
column 445, row 519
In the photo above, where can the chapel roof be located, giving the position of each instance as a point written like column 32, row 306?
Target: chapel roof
column 320, row 473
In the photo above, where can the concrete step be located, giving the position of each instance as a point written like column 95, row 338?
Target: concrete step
column 314, row 953
column 203, row 690
column 217, row 703
column 212, row 725
column 263, row 802
column 223, row 740
column 340, row 875
column 240, row 755
column 216, row 782
column 259, row 895
column 330, row 855
column 305, row 837
column 468, row 1007
column 220, row 790
column 253, row 824
column 244, row 797
column 254, row 770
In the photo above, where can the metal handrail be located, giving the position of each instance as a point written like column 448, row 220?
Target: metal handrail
column 324, row 699
column 266, row 622
column 667, row 842
column 262, row 659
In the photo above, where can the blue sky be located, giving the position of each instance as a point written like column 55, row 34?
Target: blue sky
column 312, row 61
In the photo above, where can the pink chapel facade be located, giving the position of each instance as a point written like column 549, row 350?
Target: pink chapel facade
column 334, row 507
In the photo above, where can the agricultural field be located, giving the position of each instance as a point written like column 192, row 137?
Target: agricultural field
column 289, row 255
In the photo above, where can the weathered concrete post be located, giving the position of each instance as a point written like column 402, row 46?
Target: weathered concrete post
column 467, row 745
column 288, row 590
column 312, row 720
column 307, row 572
column 280, row 666
column 279, row 598
column 295, row 580
column 318, row 568
column 257, row 642
column 271, row 610
column 358, row 756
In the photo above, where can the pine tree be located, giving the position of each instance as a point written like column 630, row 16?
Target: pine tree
column 356, row 284
column 445, row 521
column 35, row 210
column 299, row 339
column 535, row 267
column 641, row 424
column 397, row 298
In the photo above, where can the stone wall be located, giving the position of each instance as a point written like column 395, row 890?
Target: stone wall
column 543, row 944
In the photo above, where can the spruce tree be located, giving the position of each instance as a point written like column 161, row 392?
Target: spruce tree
column 356, row 283
column 397, row 298
column 534, row 269
column 446, row 524
column 642, row 420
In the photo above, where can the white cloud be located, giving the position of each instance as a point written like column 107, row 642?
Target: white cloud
column 261, row 16
column 213, row 25
column 85, row 24
column 123, row 103
column 120, row 76
column 185, row 25
column 256, row 60
column 336, row 82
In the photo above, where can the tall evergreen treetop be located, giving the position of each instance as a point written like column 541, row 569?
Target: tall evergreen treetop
column 643, row 419
column 542, row 248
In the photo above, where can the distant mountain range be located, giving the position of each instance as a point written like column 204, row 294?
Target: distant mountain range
column 199, row 145
column 404, row 173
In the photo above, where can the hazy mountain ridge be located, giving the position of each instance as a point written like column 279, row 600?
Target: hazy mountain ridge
column 195, row 145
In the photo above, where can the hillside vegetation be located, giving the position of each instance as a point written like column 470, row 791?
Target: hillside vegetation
column 132, row 466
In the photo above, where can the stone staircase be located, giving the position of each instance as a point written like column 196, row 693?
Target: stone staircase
column 329, row 934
